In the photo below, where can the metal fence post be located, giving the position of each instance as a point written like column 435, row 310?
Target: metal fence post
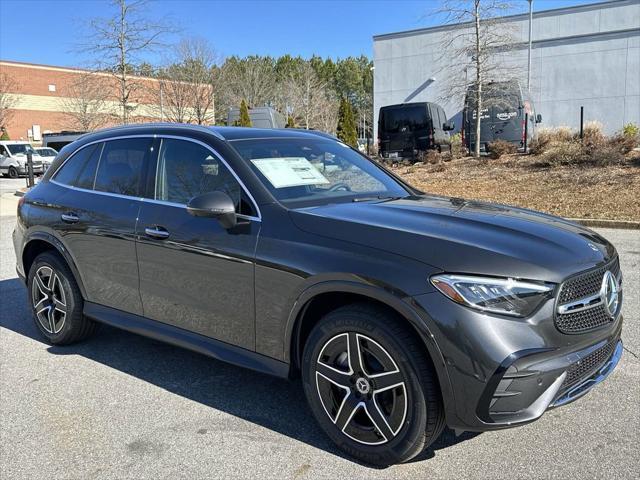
column 31, row 182
column 526, row 131
column 581, row 122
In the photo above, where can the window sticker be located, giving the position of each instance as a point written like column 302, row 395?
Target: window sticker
column 289, row 171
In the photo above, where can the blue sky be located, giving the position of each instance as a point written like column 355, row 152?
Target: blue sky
column 41, row 31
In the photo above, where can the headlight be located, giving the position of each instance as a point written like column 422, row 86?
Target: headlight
column 505, row 296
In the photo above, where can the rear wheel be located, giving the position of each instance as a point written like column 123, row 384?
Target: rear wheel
column 56, row 301
column 371, row 386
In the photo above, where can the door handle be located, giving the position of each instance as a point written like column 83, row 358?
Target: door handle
column 69, row 217
column 156, row 232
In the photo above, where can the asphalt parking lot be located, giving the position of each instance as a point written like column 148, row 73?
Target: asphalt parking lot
column 122, row 406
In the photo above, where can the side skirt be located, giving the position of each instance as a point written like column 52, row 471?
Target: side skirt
column 186, row 339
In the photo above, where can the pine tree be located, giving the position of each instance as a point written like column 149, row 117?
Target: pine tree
column 290, row 122
column 346, row 130
column 245, row 119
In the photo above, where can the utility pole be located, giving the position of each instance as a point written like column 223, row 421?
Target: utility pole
column 529, row 57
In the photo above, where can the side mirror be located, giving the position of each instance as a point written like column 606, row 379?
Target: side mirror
column 216, row 205
column 538, row 118
column 448, row 126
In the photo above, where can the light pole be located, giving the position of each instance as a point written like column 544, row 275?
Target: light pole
column 529, row 56
column 373, row 113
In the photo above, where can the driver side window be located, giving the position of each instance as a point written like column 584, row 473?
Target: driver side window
column 187, row 169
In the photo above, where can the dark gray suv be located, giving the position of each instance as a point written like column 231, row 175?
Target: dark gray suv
column 291, row 253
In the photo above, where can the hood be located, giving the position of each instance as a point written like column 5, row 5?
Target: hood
column 462, row 236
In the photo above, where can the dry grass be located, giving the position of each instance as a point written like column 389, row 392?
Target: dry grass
column 586, row 191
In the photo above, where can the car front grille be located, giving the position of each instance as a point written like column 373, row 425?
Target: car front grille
column 587, row 283
column 589, row 364
column 581, row 286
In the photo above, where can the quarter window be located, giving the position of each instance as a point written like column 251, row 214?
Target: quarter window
column 187, row 169
column 87, row 175
column 121, row 165
column 69, row 172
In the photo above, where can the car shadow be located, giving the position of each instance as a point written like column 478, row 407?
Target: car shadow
column 251, row 396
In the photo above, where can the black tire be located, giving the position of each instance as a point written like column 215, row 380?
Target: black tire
column 13, row 172
column 377, row 332
column 54, row 292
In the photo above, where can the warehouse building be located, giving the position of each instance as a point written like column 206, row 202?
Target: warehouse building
column 43, row 98
column 583, row 56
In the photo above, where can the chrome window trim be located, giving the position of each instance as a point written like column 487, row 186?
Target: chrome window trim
column 153, row 200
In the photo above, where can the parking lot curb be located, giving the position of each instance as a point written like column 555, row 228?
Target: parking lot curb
column 20, row 192
column 602, row 223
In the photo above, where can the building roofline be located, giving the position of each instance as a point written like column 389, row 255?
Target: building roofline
column 41, row 66
column 506, row 18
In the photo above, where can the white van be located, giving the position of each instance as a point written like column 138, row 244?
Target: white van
column 13, row 158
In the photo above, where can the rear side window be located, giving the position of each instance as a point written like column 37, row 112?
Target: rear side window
column 121, row 165
column 69, row 172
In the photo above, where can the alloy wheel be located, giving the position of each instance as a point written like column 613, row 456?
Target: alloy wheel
column 49, row 301
column 361, row 388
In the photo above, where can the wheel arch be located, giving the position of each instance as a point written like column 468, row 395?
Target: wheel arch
column 324, row 297
column 40, row 242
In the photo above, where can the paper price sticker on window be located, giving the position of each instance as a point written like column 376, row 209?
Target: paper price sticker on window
column 289, row 171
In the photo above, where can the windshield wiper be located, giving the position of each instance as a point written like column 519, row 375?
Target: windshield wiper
column 377, row 197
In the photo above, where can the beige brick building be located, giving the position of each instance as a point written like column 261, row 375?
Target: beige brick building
column 39, row 98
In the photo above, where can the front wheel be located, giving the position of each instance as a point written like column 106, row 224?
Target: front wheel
column 13, row 172
column 371, row 386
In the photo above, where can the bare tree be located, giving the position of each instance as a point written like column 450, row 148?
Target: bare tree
column 307, row 94
column 477, row 55
column 118, row 42
column 198, row 59
column 186, row 87
column 174, row 95
column 86, row 103
column 7, row 100
column 251, row 78
column 326, row 117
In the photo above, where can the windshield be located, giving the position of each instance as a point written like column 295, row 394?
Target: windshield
column 47, row 152
column 21, row 149
column 316, row 171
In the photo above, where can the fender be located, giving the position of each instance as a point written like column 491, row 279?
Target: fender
column 400, row 305
column 57, row 244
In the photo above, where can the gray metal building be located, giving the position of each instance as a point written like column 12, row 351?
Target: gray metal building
column 586, row 55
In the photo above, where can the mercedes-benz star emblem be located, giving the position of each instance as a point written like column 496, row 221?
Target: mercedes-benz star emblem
column 610, row 293
column 362, row 385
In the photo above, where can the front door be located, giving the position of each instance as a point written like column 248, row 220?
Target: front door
column 194, row 274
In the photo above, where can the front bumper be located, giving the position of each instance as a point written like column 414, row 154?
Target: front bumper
column 505, row 372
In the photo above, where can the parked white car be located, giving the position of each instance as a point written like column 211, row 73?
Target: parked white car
column 47, row 154
column 13, row 158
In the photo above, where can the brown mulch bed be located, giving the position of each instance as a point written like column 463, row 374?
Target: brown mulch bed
column 602, row 192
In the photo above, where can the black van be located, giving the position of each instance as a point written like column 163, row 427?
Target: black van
column 503, row 116
column 407, row 129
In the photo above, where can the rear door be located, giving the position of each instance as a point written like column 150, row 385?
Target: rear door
column 506, row 117
column 404, row 128
column 194, row 274
column 97, row 210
